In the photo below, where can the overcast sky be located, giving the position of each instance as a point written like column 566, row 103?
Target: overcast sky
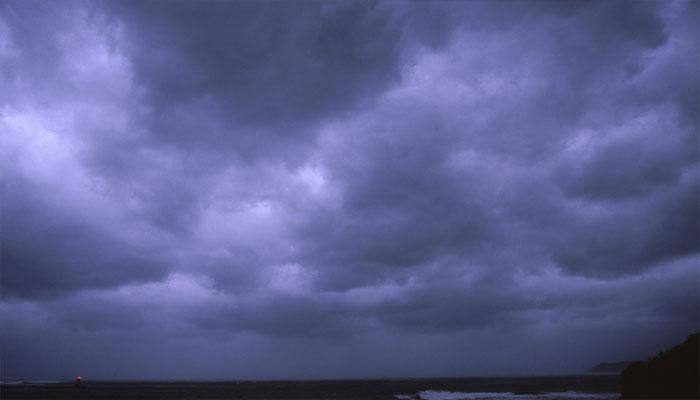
column 223, row 190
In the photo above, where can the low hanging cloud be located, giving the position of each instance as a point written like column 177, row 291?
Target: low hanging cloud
column 323, row 181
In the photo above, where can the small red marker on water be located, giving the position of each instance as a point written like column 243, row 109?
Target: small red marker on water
column 77, row 380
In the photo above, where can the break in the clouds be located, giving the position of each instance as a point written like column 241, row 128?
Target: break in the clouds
column 228, row 189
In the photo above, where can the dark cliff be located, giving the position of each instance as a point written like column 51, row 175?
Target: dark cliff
column 672, row 374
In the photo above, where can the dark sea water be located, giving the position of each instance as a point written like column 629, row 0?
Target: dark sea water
column 528, row 388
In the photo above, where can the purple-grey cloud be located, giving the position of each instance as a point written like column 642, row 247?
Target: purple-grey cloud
column 320, row 181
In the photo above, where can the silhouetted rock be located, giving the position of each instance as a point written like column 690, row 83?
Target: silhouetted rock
column 610, row 368
column 673, row 374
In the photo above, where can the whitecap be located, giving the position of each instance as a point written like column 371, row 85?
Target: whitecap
column 446, row 395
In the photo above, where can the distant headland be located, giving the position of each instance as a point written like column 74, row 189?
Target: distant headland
column 610, row 368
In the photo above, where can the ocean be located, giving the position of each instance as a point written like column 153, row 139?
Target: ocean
column 515, row 388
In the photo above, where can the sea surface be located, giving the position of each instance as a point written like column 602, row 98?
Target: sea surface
column 517, row 388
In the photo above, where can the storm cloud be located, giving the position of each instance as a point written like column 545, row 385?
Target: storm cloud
column 233, row 189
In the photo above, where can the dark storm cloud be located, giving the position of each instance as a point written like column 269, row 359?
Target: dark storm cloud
column 400, row 208
column 48, row 248
column 631, row 168
column 634, row 237
column 331, row 182
column 281, row 66
column 29, row 46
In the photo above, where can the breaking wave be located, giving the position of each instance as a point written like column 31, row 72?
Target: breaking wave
column 444, row 395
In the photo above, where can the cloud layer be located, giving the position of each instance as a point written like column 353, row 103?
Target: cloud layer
column 237, row 190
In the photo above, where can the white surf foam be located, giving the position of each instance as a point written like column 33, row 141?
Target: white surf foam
column 444, row 395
